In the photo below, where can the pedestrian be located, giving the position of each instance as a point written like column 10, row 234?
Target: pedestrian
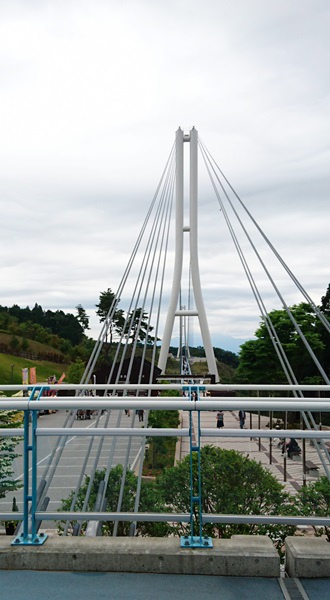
column 292, row 447
column 141, row 414
column 220, row 422
column 127, row 412
column 242, row 417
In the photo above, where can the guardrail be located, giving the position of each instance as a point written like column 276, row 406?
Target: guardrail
column 191, row 401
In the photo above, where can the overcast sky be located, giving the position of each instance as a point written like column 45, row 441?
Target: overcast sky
column 91, row 95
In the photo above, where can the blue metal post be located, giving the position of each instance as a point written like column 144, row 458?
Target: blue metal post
column 30, row 499
column 26, row 457
column 192, row 541
column 191, row 450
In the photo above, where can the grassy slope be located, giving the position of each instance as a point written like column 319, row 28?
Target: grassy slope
column 34, row 346
column 44, row 368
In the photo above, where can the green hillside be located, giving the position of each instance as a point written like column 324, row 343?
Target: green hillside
column 11, row 368
column 32, row 345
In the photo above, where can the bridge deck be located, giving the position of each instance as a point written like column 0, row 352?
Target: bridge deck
column 114, row 586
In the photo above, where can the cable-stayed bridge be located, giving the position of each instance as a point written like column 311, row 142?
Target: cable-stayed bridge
column 130, row 375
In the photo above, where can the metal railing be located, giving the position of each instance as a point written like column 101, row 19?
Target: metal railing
column 192, row 400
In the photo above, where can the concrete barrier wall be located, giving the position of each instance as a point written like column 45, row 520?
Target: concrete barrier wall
column 248, row 556
column 241, row 556
column 307, row 557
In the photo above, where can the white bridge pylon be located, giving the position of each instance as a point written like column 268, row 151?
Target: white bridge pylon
column 192, row 230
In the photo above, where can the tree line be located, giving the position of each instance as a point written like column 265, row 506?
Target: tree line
column 259, row 362
column 46, row 326
column 67, row 332
column 225, row 356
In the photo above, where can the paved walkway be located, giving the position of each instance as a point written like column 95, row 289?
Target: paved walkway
column 268, row 454
column 20, row 585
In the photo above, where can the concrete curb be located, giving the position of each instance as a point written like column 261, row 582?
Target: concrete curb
column 307, row 557
column 240, row 556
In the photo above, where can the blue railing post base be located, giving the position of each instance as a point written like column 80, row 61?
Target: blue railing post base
column 195, row 541
column 36, row 540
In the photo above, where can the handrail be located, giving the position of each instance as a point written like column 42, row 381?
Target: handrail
column 173, row 386
column 168, row 403
column 307, row 434
column 188, row 402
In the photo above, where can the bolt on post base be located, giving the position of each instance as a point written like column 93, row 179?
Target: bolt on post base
column 196, row 541
column 36, row 540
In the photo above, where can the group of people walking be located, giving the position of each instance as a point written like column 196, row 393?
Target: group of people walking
column 140, row 414
column 221, row 423
column 292, row 447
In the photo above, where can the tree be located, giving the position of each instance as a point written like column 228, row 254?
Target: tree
column 198, row 351
column 259, row 362
column 76, row 371
column 231, row 484
column 137, row 327
column 40, row 326
column 225, row 356
column 82, row 317
column 325, row 336
column 37, row 314
column 14, row 343
column 325, row 302
column 106, row 303
column 65, row 325
column 25, row 344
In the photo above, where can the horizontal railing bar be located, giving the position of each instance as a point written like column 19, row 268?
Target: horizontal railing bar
column 9, row 404
column 93, row 403
column 110, row 516
column 164, row 386
column 9, row 516
column 181, row 518
column 11, row 432
column 163, row 432
column 168, row 403
column 98, row 386
column 174, row 518
column 271, row 433
column 103, row 431
column 266, row 404
column 273, row 519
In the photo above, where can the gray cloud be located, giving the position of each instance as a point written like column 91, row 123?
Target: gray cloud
column 91, row 94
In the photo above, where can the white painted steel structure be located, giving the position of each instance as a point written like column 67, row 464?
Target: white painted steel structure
column 192, row 229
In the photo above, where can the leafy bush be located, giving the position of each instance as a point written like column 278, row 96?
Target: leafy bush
column 161, row 450
column 8, row 419
column 150, row 501
column 314, row 500
column 231, row 484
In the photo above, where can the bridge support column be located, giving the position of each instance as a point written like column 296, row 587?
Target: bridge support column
column 192, row 229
